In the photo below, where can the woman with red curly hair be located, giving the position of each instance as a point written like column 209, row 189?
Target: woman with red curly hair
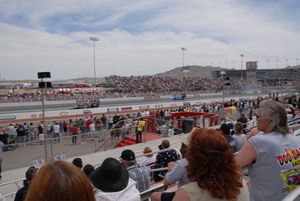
column 212, row 170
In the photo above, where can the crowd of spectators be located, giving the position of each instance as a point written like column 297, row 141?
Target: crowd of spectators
column 122, row 124
column 133, row 86
column 165, row 85
column 208, row 169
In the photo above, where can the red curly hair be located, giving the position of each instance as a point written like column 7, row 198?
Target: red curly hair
column 212, row 165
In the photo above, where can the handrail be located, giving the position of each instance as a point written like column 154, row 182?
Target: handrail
column 111, row 138
column 293, row 196
column 11, row 182
column 147, row 193
column 154, row 152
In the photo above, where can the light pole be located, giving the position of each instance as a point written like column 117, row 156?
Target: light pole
column 183, row 50
column 94, row 39
column 223, row 97
column 44, row 85
column 242, row 56
column 183, row 70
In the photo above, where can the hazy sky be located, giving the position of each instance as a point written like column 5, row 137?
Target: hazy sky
column 138, row 37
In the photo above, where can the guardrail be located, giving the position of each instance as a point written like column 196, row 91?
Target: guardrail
column 293, row 196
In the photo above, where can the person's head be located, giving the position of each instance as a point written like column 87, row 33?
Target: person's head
column 238, row 128
column 225, row 129
column 165, row 144
column 88, row 169
column 111, row 176
column 217, row 172
column 128, row 158
column 148, row 150
column 271, row 116
column 60, row 180
column 77, row 162
column 29, row 175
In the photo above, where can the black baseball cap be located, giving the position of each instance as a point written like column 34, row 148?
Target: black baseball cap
column 128, row 155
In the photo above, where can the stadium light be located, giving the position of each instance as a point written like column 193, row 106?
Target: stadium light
column 183, row 50
column 94, row 39
column 223, row 97
column 242, row 56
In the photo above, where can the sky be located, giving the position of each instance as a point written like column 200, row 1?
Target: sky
column 144, row 37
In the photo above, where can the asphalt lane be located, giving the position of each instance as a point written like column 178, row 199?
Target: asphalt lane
column 67, row 105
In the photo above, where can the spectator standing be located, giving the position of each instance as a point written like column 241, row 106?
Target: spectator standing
column 225, row 130
column 74, row 134
column 139, row 130
column 92, row 129
column 65, row 126
column 32, row 132
column 266, row 154
column 41, row 132
column 136, row 172
column 239, row 137
column 103, row 120
column 26, row 132
column 1, row 157
column 12, row 134
column 56, row 129
column 4, row 139
column 20, row 134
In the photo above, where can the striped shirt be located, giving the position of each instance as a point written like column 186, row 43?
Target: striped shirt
column 140, row 176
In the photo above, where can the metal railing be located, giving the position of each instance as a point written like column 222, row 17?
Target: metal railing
column 293, row 196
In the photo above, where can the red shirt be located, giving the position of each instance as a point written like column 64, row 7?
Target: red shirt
column 74, row 130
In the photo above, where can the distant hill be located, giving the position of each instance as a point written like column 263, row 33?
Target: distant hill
column 293, row 67
column 190, row 71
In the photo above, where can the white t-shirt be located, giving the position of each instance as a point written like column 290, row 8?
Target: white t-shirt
column 130, row 193
column 56, row 128
column 92, row 127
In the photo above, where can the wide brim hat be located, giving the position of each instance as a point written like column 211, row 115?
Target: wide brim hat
column 111, row 176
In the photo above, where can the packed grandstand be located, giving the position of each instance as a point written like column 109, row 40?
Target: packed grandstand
column 119, row 86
